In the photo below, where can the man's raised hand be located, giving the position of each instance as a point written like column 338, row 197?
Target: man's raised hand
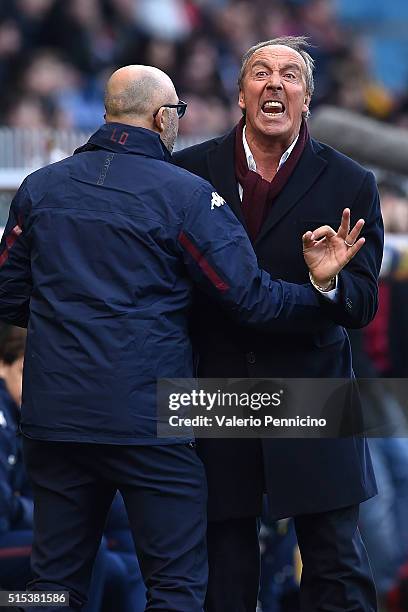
column 326, row 252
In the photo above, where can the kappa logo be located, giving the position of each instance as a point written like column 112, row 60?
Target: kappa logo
column 216, row 200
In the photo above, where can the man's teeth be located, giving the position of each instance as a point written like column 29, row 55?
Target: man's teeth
column 272, row 105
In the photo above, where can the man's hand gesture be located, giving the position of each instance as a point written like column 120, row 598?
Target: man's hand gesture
column 327, row 252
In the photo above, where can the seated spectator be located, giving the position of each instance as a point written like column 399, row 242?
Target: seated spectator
column 16, row 506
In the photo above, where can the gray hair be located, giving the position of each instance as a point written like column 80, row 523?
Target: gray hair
column 298, row 43
column 137, row 98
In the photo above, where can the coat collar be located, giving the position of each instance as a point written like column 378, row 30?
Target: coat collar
column 123, row 138
column 221, row 167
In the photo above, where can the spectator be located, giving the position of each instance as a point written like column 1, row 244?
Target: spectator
column 16, row 506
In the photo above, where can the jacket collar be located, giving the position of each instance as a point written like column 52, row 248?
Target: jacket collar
column 123, row 138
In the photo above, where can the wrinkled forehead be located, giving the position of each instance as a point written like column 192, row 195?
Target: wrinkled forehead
column 277, row 54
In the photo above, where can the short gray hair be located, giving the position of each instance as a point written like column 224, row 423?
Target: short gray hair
column 137, row 98
column 298, row 43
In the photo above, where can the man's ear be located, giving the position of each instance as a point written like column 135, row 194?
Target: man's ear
column 159, row 120
column 306, row 102
column 241, row 100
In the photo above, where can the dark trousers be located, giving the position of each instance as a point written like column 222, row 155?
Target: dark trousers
column 336, row 574
column 233, row 564
column 164, row 491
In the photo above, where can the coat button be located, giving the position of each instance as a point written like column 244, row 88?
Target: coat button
column 251, row 357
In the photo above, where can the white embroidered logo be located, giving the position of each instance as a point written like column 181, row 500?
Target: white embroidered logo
column 216, row 200
column 3, row 422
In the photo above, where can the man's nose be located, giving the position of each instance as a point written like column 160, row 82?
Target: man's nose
column 275, row 81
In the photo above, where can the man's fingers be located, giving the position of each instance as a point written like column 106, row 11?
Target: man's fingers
column 355, row 232
column 355, row 248
column 344, row 227
column 325, row 231
column 308, row 240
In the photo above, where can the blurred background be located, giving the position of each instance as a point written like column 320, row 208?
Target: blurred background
column 55, row 57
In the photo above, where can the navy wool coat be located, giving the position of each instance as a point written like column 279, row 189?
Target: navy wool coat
column 301, row 476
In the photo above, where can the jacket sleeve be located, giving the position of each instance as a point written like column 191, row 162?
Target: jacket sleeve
column 15, row 266
column 220, row 259
column 357, row 300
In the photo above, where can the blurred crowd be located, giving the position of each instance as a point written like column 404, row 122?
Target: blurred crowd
column 55, row 56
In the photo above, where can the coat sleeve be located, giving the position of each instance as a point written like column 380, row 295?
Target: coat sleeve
column 220, row 259
column 15, row 265
column 357, row 299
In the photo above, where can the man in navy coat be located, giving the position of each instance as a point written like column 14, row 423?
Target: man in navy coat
column 278, row 181
column 98, row 260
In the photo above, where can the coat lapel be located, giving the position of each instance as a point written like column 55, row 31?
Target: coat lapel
column 307, row 171
column 220, row 161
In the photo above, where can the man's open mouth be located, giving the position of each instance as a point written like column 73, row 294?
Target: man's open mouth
column 273, row 107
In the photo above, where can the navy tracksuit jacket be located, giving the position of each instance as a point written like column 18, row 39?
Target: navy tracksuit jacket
column 98, row 259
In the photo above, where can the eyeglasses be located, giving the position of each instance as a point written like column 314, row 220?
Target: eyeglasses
column 180, row 106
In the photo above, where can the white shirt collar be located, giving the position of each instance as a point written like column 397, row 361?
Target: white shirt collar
column 250, row 158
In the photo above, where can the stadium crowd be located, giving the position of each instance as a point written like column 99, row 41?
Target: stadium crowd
column 55, row 56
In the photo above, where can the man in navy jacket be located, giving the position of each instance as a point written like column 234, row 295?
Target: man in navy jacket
column 279, row 182
column 98, row 259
